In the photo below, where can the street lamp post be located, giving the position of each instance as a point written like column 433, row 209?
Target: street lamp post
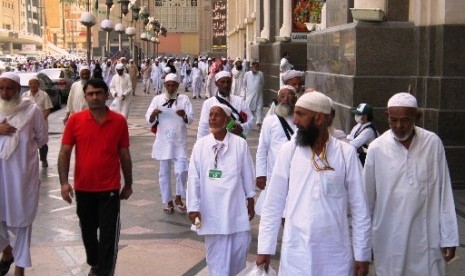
column 107, row 26
column 120, row 29
column 130, row 32
column 135, row 16
column 144, row 16
column 88, row 20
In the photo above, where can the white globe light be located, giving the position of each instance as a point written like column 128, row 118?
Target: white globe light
column 130, row 31
column 106, row 25
column 143, row 36
column 119, row 28
column 87, row 19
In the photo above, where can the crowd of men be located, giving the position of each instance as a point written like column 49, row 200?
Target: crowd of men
column 394, row 186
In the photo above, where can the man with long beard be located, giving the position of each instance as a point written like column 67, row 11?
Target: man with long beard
column 22, row 132
column 277, row 129
column 220, row 194
column 316, row 178
column 409, row 192
column 76, row 101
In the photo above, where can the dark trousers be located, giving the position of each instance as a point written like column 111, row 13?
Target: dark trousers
column 43, row 153
column 99, row 219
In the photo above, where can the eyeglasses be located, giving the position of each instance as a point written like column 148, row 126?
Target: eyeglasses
column 324, row 160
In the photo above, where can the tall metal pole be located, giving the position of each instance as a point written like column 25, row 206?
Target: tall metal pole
column 89, row 45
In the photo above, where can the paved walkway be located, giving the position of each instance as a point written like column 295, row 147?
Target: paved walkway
column 151, row 243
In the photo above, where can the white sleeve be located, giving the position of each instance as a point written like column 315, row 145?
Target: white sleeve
column 204, row 127
column 152, row 107
column 248, row 125
column 365, row 137
column 189, row 110
column 193, row 183
column 263, row 149
column 248, row 180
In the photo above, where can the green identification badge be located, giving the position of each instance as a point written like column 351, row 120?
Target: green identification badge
column 215, row 174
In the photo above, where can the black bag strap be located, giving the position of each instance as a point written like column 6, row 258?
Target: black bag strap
column 169, row 103
column 286, row 127
column 225, row 102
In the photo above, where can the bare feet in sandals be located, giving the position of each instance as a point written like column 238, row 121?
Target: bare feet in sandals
column 180, row 205
column 169, row 209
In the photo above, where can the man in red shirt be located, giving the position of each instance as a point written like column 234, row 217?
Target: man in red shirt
column 102, row 147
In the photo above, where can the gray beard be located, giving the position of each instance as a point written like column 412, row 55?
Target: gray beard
column 284, row 110
column 7, row 108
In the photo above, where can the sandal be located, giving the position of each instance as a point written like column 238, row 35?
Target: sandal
column 5, row 266
column 182, row 208
column 168, row 210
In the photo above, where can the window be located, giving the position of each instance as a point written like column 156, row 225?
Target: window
column 177, row 15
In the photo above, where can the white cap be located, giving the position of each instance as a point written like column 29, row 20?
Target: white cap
column 34, row 78
column 289, row 87
column 292, row 74
column 209, row 58
column 12, row 76
column 119, row 66
column 403, row 99
column 222, row 74
column 315, row 101
column 167, row 70
column 84, row 67
column 225, row 108
column 172, row 77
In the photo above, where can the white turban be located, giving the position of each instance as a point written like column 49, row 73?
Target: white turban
column 292, row 74
column 403, row 99
column 289, row 87
column 84, row 67
column 172, row 77
column 315, row 101
column 119, row 66
column 12, row 76
column 222, row 74
column 225, row 108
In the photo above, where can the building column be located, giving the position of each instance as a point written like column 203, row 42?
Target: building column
column 285, row 31
column 10, row 48
column 265, row 33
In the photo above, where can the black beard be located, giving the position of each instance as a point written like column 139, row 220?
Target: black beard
column 306, row 137
column 239, row 67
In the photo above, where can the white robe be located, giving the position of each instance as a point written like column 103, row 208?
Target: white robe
column 252, row 93
column 410, row 198
column 156, row 75
column 284, row 65
column 221, row 202
column 197, row 78
column 316, row 237
column 237, row 79
column 121, row 86
column 19, row 171
column 76, row 101
column 171, row 138
column 272, row 137
column 237, row 102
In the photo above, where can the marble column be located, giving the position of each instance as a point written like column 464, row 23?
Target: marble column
column 265, row 33
column 285, row 31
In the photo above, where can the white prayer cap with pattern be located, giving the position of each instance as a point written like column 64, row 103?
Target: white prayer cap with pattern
column 222, row 74
column 172, row 77
column 315, row 101
column 403, row 99
column 225, row 108
column 12, row 76
column 292, row 74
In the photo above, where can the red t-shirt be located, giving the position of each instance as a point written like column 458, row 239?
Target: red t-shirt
column 97, row 166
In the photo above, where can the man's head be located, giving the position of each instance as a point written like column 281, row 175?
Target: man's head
column 131, row 61
column 286, row 101
column 311, row 116
column 10, row 89
column 285, row 55
column 34, row 84
column 119, row 68
column 402, row 110
column 219, row 117
column 171, row 83
column 255, row 67
column 293, row 78
column 84, row 73
column 223, row 81
column 363, row 113
column 96, row 94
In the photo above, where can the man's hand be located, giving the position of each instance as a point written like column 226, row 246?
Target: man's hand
column 6, row 128
column 181, row 113
column 154, row 114
column 193, row 215
column 125, row 193
column 67, row 193
column 261, row 182
column 237, row 129
column 448, row 253
column 361, row 268
column 263, row 259
column 251, row 207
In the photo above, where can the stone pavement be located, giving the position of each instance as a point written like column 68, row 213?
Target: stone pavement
column 151, row 242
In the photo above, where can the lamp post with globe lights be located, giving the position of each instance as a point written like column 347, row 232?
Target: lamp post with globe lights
column 144, row 16
column 130, row 32
column 88, row 20
column 120, row 29
column 107, row 26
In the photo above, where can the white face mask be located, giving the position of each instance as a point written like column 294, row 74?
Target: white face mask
column 358, row 119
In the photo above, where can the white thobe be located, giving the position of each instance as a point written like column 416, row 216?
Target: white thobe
column 210, row 86
column 156, row 75
column 237, row 79
column 19, row 170
column 252, row 93
column 171, row 138
column 197, row 78
column 316, row 237
column 237, row 102
column 41, row 99
column 410, row 197
column 221, row 202
column 272, row 137
column 186, row 78
column 76, row 101
column 120, row 86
